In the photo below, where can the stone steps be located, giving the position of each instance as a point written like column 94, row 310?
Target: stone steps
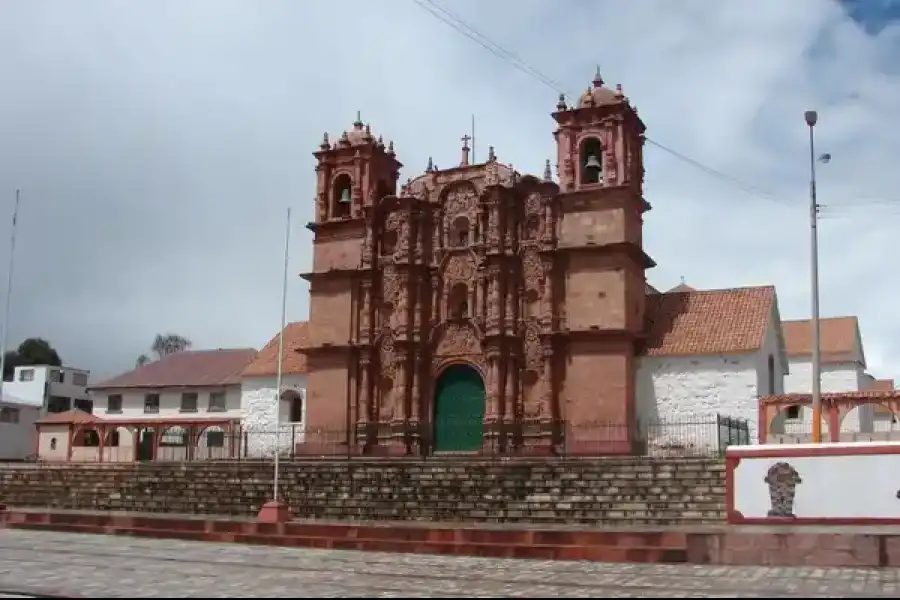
column 601, row 491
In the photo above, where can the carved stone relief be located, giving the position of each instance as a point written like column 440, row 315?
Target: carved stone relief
column 458, row 340
column 387, row 379
column 460, row 268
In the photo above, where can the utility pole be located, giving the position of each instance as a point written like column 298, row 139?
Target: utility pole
column 812, row 117
column 9, row 282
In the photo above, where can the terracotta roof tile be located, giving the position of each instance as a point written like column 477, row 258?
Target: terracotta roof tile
column 266, row 362
column 803, row 399
column 69, row 417
column 709, row 321
column 195, row 368
column 837, row 338
column 883, row 385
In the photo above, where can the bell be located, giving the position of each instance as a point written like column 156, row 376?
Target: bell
column 345, row 195
column 592, row 163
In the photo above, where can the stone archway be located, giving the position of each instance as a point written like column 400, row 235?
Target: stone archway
column 459, row 404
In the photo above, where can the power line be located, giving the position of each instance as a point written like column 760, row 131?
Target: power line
column 460, row 25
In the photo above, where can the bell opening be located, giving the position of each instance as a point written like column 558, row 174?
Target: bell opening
column 592, row 165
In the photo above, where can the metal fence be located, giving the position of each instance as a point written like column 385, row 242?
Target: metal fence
column 688, row 436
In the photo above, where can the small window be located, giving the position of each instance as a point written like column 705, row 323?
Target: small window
column 79, row 379
column 189, row 402
column 112, row 439
column 26, row 375
column 53, row 443
column 793, row 412
column 296, row 409
column 217, row 402
column 341, row 197
column 84, row 405
column 151, row 403
column 114, row 403
column 215, row 439
column 771, row 373
column 9, row 414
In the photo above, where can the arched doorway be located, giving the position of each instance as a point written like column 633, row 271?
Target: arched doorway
column 458, row 410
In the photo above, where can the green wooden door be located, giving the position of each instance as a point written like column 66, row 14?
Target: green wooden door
column 459, row 410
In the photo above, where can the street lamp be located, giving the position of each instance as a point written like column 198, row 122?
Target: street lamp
column 812, row 117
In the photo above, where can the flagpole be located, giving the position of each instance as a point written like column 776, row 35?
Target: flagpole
column 278, row 371
column 9, row 280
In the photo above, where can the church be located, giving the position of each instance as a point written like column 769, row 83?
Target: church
column 475, row 305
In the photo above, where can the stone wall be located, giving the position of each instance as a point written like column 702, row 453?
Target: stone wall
column 597, row 491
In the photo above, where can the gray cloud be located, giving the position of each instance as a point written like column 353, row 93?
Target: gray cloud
column 158, row 145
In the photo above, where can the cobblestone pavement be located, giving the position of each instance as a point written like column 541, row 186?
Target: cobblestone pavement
column 118, row 567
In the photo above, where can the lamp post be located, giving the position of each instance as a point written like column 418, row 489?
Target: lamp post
column 812, row 117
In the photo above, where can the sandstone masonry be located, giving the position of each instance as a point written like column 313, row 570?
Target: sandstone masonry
column 609, row 491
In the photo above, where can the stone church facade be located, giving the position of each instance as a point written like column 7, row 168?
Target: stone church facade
column 475, row 305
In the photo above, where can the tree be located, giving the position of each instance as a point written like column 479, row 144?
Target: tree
column 164, row 345
column 32, row 351
column 169, row 343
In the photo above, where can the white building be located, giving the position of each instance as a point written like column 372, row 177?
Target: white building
column 52, row 389
column 843, row 368
column 173, row 406
column 259, row 392
column 17, row 431
column 708, row 352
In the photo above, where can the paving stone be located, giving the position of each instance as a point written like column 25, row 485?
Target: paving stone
column 116, row 567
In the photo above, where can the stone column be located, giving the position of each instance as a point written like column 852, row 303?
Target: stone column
column 435, row 299
column 365, row 307
column 366, row 405
column 492, row 408
column 398, row 398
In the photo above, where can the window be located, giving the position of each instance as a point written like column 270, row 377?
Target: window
column 793, row 412
column 79, row 379
column 58, row 404
column 217, row 402
column 771, row 374
column 215, row 439
column 91, row 438
column 84, row 405
column 151, row 403
column 189, row 402
column 114, row 404
column 26, row 375
column 56, row 376
column 9, row 414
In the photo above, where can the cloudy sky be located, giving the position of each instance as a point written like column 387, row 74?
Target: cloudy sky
column 158, row 145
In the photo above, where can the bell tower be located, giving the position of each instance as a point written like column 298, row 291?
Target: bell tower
column 600, row 243
column 353, row 173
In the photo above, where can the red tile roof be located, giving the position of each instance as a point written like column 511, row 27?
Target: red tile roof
column 846, row 397
column 194, row 368
column 266, row 362
column 837, row 338
column 69, row 417
column 883, row 385
column 729, row 321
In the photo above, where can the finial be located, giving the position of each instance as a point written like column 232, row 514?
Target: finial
column 561, row 104
column 548, row 175
column 465, row 150
column 619, row 90
column 380, row 141
column 325, row 143
column 391, row 147
column 344, row 138
column 368, row 130
column 358, row 122
column 682, row 280
column 430, row 167
column 598, row 79
column 491, row 156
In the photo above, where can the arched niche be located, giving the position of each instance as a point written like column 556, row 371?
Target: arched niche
column 458, row 302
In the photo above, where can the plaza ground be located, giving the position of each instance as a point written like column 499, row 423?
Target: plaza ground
column 118, row 567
